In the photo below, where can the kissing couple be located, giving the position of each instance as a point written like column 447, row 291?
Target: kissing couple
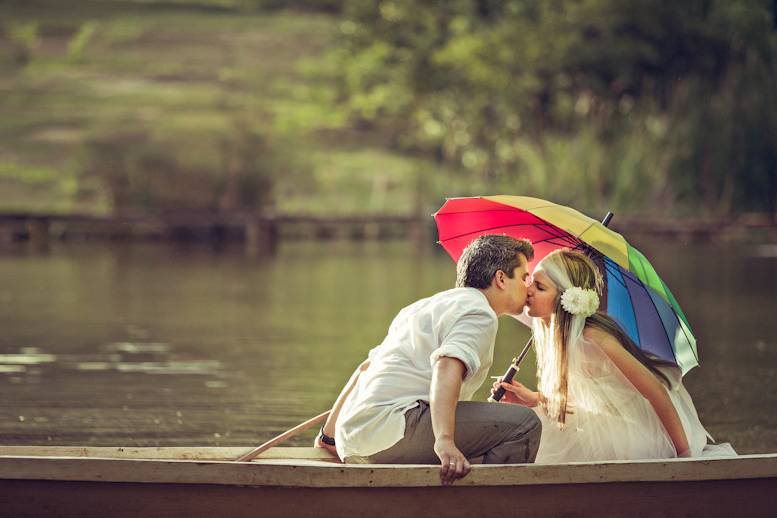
column 599, row 396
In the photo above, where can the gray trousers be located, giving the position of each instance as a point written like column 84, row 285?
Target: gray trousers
column 488, row 433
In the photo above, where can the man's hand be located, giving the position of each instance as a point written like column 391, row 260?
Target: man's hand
column 318, row 443
column 516, row 393
column 453, row 464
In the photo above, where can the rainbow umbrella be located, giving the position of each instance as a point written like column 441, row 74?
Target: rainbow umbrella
column 634, row 295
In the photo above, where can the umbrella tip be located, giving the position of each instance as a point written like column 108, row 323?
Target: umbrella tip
column 607, row 219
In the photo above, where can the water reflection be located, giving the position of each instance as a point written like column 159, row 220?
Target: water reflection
column 135, row 348
column 5, row 369
column 171, row 367
column 18, row 363
column 27, row 356
column 163, row 345
column 765, row 251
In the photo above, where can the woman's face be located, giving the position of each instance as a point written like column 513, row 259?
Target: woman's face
column 541, row 295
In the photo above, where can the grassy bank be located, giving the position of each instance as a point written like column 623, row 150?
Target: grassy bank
column 104, row 104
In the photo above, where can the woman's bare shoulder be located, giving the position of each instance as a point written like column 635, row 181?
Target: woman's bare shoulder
column 596, row 335
column 601, row 338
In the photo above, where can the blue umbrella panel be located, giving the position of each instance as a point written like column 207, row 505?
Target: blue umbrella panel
column 647, row 318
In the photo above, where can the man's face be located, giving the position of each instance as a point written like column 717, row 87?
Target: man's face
column 516, row 287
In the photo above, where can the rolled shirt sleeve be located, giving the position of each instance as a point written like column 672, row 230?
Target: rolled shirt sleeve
column 373, row 353
column 469, row 340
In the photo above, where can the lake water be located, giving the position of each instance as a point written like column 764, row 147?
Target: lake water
column 168, row 345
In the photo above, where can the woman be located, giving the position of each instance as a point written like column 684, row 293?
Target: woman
column 599, row 397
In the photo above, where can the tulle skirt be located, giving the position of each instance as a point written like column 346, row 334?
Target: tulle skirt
column 609, row 419
column 627, row 434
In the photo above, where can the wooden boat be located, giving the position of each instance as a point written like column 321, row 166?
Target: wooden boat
column 192, row 482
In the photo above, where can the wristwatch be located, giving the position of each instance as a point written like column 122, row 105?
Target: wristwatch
column 325, row 438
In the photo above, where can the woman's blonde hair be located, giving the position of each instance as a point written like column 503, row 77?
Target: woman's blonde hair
column 567, row 268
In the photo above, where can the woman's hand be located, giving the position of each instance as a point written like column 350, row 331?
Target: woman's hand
column 516, row 393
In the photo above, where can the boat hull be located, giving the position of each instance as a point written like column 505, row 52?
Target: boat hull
column 195, row 482
column 22, row 498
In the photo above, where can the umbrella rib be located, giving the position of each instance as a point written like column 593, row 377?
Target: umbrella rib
column 489, row 228
column 551, row 227
column 636, row 321
column 590, row 251
column 553, row 238
column 632, row 308
column 580, row 236
column 626, row 273
column 561, row 234
column 553, row 235
column 619, row 277
column 490, row 209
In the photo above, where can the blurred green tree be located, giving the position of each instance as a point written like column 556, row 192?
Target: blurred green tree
column 23, row 38
column 142, row 171
column 508, row 88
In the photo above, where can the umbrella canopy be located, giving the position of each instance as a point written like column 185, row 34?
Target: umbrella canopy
column 635, row 296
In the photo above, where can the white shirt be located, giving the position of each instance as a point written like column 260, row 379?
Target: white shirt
column 457, row 323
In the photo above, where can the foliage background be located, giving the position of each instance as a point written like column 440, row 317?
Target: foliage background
column 344, row 106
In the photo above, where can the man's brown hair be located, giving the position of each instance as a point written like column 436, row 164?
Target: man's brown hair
column 486, row 255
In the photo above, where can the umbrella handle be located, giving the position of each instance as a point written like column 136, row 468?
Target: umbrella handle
column 511, row 372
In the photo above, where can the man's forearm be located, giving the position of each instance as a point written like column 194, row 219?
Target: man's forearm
column 444, row 395
column 329, row 426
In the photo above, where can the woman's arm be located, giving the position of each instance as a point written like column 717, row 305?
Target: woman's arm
column 646, row 383
column 329, row 425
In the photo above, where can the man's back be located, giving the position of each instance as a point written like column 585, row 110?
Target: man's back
column 456, row 323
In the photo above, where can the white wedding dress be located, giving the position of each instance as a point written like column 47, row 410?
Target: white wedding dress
column 608, row 418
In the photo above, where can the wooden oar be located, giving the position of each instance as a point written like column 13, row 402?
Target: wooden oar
column 275, row 441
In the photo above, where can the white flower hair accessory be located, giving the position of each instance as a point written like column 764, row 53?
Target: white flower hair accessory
column 580, row 301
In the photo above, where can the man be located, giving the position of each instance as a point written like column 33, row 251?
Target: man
column 407, row 403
